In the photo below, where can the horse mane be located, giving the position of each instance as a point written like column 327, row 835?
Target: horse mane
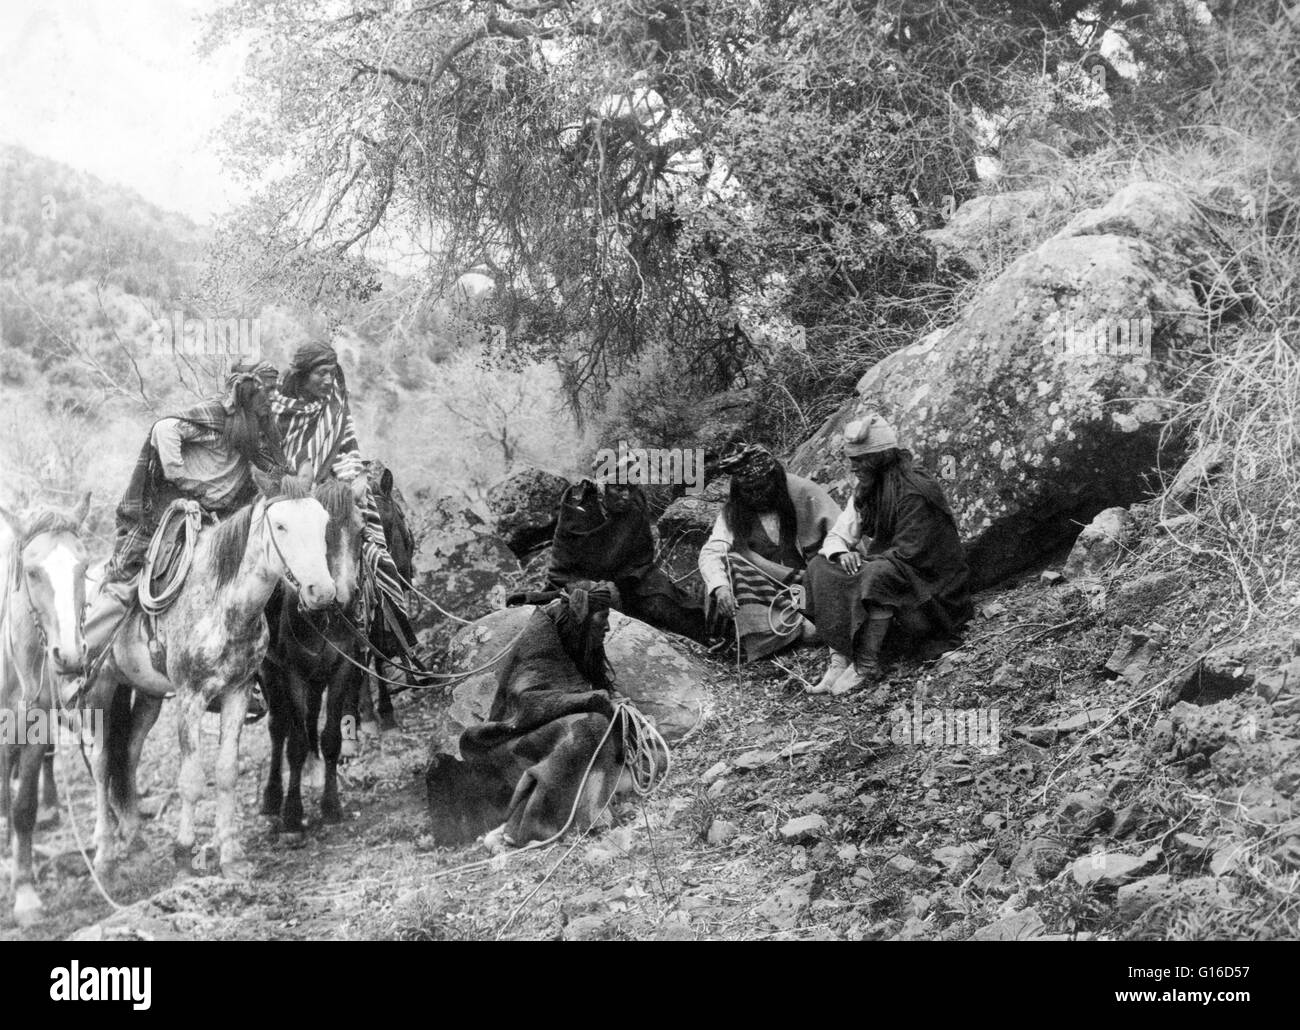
column 49, row 520
column 229, row 542
column 336, row 497
column 230, row 537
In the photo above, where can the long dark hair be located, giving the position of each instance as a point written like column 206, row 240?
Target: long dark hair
column 739, row 516
column 877, row 502
column 248, row 433
column 583, row 644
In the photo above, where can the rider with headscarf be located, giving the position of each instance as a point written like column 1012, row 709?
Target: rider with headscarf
column 205, row 454
column 314, row 420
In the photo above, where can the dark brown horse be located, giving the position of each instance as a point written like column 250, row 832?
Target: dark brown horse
column 314, row 657
column 383, row 639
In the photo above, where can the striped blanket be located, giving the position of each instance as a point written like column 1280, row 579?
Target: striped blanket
column 766, row 616
column 321, row 433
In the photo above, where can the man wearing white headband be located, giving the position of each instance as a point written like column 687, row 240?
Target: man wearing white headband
column 893, row 558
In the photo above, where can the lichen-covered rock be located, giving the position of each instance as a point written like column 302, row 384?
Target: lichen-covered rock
column 467, row 570
column 984, row 226
column 1029, row 438
column 689, row 516
column 523, row 507
column 662, row 680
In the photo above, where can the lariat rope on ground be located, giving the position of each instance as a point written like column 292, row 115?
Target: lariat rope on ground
column 641, row 762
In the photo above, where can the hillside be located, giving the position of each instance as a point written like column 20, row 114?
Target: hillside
column 88, row 270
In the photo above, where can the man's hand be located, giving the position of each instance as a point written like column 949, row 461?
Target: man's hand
column 850, row 562
column 726, row 601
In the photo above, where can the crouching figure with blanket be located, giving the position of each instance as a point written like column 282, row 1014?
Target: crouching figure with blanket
column 554, row 748
column 893, row 558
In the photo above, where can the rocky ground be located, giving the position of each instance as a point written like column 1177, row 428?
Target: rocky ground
column 1131, row 789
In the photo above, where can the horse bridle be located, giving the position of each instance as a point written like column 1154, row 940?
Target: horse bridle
column 270, row 532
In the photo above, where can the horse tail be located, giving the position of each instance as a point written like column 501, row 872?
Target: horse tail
column 118, row 743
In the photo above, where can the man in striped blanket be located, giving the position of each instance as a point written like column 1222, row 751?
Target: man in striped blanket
column 753, row 562
column 315, row 426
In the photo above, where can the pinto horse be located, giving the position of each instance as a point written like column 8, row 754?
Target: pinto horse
column 313, row 657
column 40, row 637
column 214, row 636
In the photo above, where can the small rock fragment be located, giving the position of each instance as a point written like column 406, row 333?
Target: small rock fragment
column 803, row 827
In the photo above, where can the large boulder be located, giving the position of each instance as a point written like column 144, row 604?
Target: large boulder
column 523, row 507
column 721, row 420
column 662, row 680
column 1029, row 441
column 462, row 565
column 684, row 527
column 985, row 227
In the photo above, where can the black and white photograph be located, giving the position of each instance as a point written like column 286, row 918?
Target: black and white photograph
column 651, row 470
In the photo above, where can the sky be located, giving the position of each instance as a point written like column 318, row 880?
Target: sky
column 116, row 88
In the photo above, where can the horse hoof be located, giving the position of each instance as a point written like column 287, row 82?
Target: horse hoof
column 388, row 723
column 368, row 728
column 293, row 839
column 28, row 910
column 331, row 816
column 313, row 773
column 47, row 817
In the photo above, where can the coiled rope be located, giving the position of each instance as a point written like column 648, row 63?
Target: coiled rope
column 194, row 516
column 788, row 624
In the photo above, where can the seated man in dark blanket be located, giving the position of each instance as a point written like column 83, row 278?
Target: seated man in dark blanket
column 913, row 574
column 603, row 533
column 543, row 762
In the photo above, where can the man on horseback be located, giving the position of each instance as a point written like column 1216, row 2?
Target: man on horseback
column 314, row 420
column 204, row 453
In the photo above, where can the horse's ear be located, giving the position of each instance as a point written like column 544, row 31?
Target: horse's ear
column 14, row 523
column 267, row 486
column 386, row 482
column 306, row 475
column 83, row 509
